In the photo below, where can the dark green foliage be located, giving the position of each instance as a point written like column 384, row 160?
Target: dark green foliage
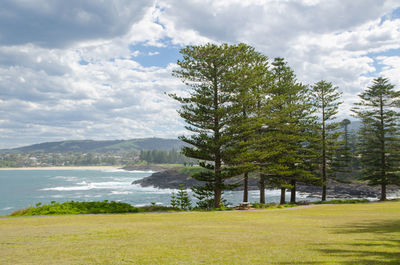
column 210, row 72
column 283, row 148
column 73, row 207
column 249, row 92
column 326, row 102
column 205, row 196
column 77, row 208
column 379, row 147
column 181, row 200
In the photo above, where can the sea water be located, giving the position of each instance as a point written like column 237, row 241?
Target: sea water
column 22, row 188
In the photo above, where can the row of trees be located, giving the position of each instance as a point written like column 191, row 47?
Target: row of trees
column 247, row 114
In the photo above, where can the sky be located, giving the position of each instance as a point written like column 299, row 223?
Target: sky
column 73, row 70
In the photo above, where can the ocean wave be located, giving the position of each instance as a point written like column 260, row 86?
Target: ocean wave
column 66, row 178
column 113, row 185
column 6, row 208
column 84, row 185
column 115, row 192
column 147, row 204
column 151, row 189
column 112, row 170
column 67, row 188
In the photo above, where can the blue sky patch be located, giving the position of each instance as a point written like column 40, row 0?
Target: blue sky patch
column 155, row 56
column 83, row 62
column 378, row 66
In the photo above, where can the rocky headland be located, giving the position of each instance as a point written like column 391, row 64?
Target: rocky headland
column 172, row 178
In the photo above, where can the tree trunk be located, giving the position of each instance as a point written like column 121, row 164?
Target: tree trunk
column 383, row 192
column 293, row 191
column 323, row 154
column 218, row 183
column 217, row 196
column 323, row 191
column 383, row 153
column 262, row 188
column 246, row 187
column 283, row 200
column 217, row 160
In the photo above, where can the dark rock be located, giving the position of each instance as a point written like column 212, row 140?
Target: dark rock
column 173, row 177
column 168, row 179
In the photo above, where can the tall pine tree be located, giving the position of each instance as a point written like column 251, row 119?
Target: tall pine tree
column 379, row 147
column 249, row 88
column 326, row 101
column 208, row 71
column 286, row 132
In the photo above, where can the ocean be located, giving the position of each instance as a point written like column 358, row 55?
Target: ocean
column 22, row 188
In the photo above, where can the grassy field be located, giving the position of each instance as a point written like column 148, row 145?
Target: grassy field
column 323, row 234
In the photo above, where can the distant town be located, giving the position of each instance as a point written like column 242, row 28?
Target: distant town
column 96, row 153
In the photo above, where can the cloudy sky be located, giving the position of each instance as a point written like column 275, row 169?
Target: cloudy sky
column 99, row 69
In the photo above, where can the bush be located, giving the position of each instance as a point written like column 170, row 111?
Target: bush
column 72, row 207
column 181, row 200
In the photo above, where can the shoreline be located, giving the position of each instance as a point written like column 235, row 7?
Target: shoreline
column 63, row 167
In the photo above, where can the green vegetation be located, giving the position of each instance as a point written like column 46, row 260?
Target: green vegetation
column 181, row 200
column 247, row 115
column 287, row 131
column 190, row 170
column 209, row 71
column 326, row 101
column 322, row 234
column 379, row 145
column 165, row 157
column 87, row 208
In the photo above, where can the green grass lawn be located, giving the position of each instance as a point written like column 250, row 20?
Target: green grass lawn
column 324, row 234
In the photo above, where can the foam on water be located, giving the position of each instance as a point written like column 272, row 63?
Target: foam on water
column 151, row 189
column 66, row 178
column 115, row 192
column 112, row 170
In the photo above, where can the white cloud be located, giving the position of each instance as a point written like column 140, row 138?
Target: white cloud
column 60, row 23
column 72, row 84
column 391, row 68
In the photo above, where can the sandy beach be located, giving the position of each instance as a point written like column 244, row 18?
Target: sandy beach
column 61, row 168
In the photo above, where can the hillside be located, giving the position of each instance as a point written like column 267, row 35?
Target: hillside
column 85, row 146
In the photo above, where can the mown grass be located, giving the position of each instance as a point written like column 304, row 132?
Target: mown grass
column 321, row 234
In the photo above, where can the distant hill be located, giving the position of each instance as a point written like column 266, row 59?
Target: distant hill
column 86, row 146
